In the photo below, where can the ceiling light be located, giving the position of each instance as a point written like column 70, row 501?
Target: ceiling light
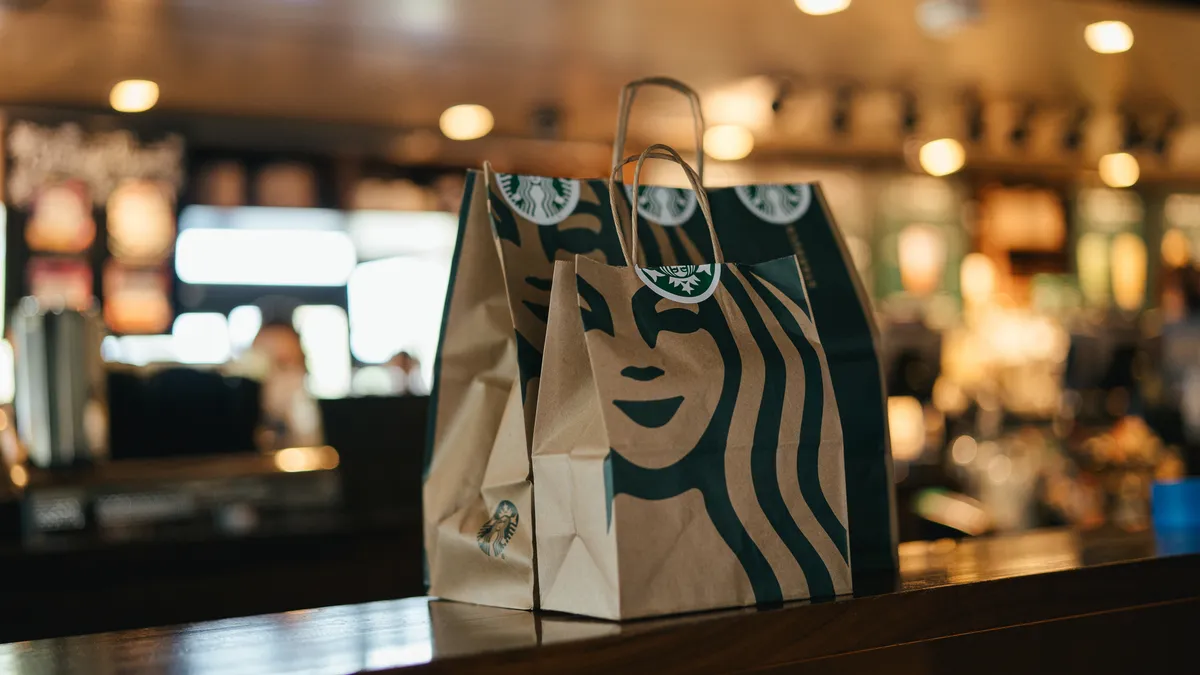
column 822, row 7
column 1109, row 37
column 466, row 122
column 133, row 96
column 728, row 142
column 942, row 157
column 1119, row 170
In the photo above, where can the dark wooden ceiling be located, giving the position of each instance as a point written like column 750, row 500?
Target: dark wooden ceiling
column 396, row 64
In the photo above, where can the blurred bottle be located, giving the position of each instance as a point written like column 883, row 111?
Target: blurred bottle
column 61, row 397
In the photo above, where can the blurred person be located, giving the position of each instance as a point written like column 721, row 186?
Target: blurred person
column 290, row 414
column 406, row 372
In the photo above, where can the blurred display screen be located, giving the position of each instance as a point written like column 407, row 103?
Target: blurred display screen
column 287, row 184
column 141, row 222
column 62, row 220
column 264, row 257
column 61, row 282
column 223, row 184
column 136, row 300
column 396, row 195
column 1021, row 219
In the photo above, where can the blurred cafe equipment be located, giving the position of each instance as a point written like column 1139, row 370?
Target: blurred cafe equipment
column 228, row 229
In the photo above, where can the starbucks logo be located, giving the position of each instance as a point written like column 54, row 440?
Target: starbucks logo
column 682, row 283
column 545, row 201
column 495, row 534
column 777, row 204
column 663, row 205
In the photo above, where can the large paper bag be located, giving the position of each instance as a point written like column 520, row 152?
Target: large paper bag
column 687, row 451
column 477, row 509
column 478, row 515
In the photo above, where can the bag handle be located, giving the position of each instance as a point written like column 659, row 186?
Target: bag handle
column 625, row 106
column 658, row 151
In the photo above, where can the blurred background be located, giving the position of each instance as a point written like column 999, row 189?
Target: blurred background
column 253, row 206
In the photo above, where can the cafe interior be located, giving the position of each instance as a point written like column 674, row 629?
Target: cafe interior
column 249, row 211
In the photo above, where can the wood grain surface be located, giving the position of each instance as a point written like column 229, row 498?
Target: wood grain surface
column 1049, row 601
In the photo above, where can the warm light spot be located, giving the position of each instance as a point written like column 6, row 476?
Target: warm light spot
column 1176, row 249
column 1109, row 37
column 19, row 476
column 728, row 142
column 942, row 157
column 3, row 420
column 1128, row 271
column 466, row 122
column 952, row 510
column 133, row 96
column 906, row 422
column 978, row 278
column 949, row 397
column 922, row 257
column 964, row 451
column 1092, row 266
column 1119, row 170
column 999, row 469
column 294, row 460
column 822, row 7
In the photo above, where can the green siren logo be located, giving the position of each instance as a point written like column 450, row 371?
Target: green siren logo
column 666, row 206
column 682, row 283
column 495, row 534
column 777, row 204
column 545, row 201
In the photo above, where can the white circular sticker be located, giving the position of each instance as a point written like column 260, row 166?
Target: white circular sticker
column 544, row 201
column 777, row 204
column 688, row 284
column 666, row 206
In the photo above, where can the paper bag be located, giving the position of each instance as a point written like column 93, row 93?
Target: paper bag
column 478, row 515
column 477, row 492
column 687, row 450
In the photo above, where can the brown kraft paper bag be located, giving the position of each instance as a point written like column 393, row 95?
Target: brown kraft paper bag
column 687, row 449
column 477, row 492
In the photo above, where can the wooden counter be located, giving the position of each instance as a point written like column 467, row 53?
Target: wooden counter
column 1049, row 601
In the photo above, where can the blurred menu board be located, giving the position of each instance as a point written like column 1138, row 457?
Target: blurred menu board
column 136, row 300
column 222, row 183
column 1023, row 231
column 40, row 156
column 141, row 222
column 233, row 178
column 921, row 240
column 1021, row 219
column 60, row 282
column 287, row 185
column 61, row 220
column 80, row 198
column 1110, row 249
